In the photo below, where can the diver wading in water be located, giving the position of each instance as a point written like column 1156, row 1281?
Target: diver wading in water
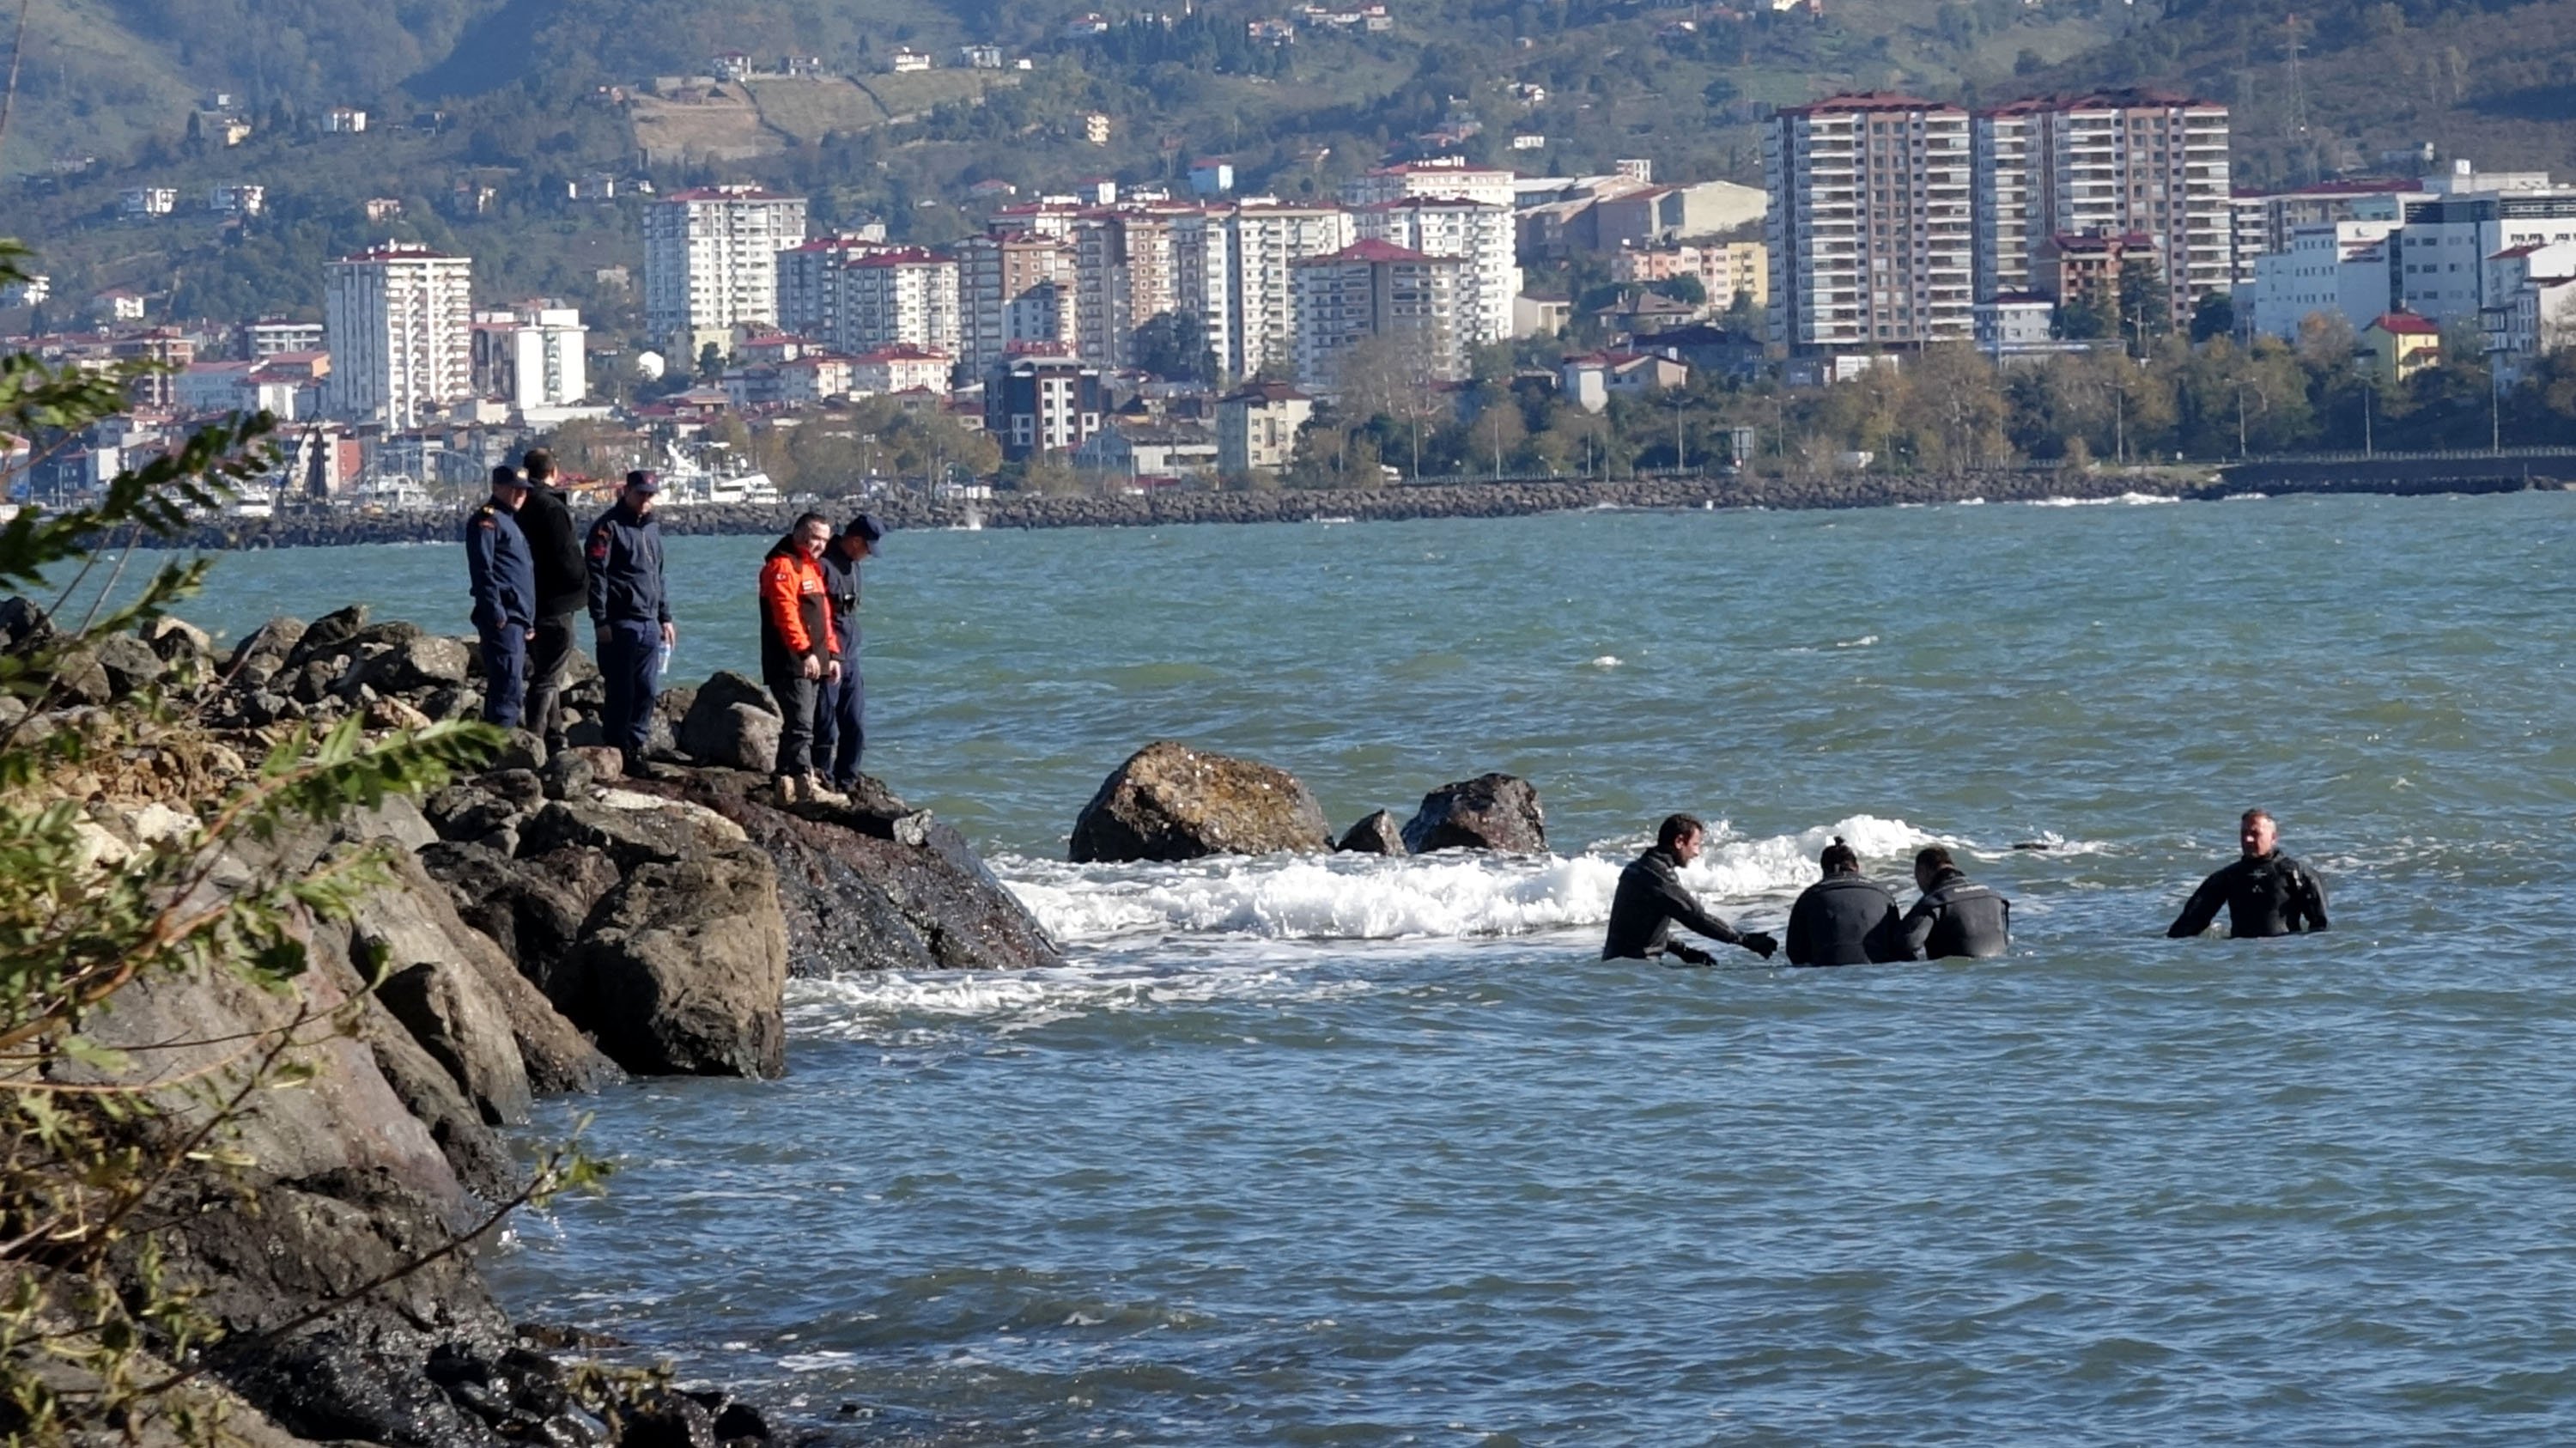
column 2265, row 892
column 1652, row 900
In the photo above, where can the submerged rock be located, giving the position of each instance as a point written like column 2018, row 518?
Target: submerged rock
column 1376, row 835
column 1172, row 802
column 1489, row 812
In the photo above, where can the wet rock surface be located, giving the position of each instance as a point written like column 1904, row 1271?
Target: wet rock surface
column 1172, row 802
column 1489, row 812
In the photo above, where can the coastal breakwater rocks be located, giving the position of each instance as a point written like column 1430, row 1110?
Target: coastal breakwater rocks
column 872, row 885
column 1377, row 834
column 1172, row 802
column 1490, row 812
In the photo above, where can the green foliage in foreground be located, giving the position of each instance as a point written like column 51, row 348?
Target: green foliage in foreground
column 95, row 1136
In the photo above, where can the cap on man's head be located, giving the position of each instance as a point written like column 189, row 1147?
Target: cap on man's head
column 865, row 528
column 642, row 481
column 506, row 476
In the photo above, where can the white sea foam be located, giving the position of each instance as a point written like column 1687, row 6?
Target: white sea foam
column 1608, row 661
column 1360, row 897
column 2124, row 500
column 896, row 1008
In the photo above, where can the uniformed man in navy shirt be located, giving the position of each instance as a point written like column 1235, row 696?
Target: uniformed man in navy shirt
column 631, row 614
column 504, row 579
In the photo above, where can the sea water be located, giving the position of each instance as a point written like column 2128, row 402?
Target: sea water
column 1361, row 1151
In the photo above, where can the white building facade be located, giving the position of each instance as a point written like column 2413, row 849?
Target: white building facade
column 1871, row 227
column 398, row 321
column 711, row 263
column 1479, row 234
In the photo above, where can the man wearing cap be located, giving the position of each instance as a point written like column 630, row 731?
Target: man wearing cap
column 504, row 581
column 631, row 613
column 840, row 732
column 563, row 584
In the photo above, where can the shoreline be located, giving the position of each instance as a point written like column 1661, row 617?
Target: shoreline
column 1505, row 499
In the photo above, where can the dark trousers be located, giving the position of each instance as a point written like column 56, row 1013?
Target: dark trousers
column 505, row 673
column 549, row 659
column 630, row 661
column 840, row 731
column 797, row 696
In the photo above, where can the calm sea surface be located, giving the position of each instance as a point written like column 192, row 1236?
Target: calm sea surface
column 1377, row 1152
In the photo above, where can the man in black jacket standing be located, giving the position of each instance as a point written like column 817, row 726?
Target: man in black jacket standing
column 840, row 719
column 632, row 613
column 563, row 586
column 1652, row 900
column 1845, row 918
column 1955, row 915
column 2266, row 892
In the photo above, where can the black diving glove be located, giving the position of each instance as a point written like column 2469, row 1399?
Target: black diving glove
column 1689, row 954
column 1760, row 944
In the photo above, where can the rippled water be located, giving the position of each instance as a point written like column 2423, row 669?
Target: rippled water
column 1376, row 1152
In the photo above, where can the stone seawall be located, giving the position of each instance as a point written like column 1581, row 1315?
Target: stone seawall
column 1505, row 499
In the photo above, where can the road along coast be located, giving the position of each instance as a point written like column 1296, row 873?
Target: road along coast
column 1504, row 499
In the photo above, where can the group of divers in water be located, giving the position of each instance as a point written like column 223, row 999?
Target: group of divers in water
column 1848, row 919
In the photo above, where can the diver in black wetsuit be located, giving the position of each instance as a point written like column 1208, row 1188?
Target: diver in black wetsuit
column 1652, row 900
column 2266, row 892
column 1844, row 918
column 1954, row 916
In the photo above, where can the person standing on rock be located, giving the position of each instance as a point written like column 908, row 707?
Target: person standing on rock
column 504, row 581
column 1955, row 916
column 563, row 585
column 840, row 718
column 631, row 612
column 2265, row 892
column 1652, row 900
column 799, row 650
column 1845, row 918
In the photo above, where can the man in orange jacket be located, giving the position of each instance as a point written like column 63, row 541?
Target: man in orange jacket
column 798, row 650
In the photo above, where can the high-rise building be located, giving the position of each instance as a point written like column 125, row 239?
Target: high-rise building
column 1376, row 289
column 900, row 297
column 1871, row 230
column 711, row 262
column 531, row 357
column 1014, row 287
column 399, row 322
column 808, row 282
column 1270, row 238
column 2109, row 164
column 1123, row 277
column 1478, row 233
column 1035, row 403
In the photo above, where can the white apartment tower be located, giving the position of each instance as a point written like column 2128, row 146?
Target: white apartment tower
column 1871, row 229
column 1478, row 233
column 531, row 357
column 2111, row 163
column 711, row 262
column 399, row 322
column 1448, row 176
column 1373, row 289
column 1270, row 238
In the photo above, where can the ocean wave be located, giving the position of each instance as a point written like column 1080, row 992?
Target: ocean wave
column 897, row 1008
column 1365, row 897
column 2124, row 500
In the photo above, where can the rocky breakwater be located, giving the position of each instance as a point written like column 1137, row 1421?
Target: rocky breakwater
column 538, row 928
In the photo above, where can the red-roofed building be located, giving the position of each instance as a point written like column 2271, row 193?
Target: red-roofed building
column 2403, row 345
column 1871, row 224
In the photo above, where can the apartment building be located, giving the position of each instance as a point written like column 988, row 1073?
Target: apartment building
column 2437, row 257
column 1036, row 403
column 2110, row 163
column 809, row 282
column 1871, row 231
column 1479, row 234
column 531, row 356
column 1446, row 176
column 2265, row 220
column 1726, row 270
column 1257, row 427
column 2339, row 268
column 894, row 297
column 711, row 262
column 1015, row 287
column 1375, row 289
column 398, row 320
column 1270, row 239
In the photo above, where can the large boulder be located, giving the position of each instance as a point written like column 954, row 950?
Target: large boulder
column 873, row 886
column 130, row 663
column 731, row 723
column 1378, row 834
column 416, row 664
column 684, row 968
column 1489, row 812
column 629, row 827
column 263, row 652
column 332, row 633
column 406, row 931
column 1172, row 802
